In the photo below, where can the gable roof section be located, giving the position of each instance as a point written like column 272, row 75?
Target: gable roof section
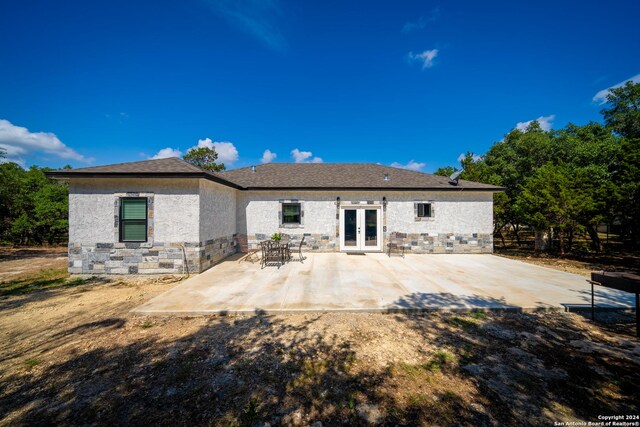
column 362, row 176
column 284, row 176
column 160, row 168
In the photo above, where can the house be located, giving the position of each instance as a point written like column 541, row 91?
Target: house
column 168, row 216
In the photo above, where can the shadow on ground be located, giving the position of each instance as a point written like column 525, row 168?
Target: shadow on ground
column 477, row 369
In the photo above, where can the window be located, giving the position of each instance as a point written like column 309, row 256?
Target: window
column 424, row 210
column 133, row 220
column 291, row 213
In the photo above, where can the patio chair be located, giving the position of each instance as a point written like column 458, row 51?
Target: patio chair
column 285, row 242
column 300, row 249
column 271, row 252
column 251, row 256
column 397, row 243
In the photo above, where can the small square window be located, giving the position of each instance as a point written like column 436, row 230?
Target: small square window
column 424, row 210
column 291, row 213
column 133, row 219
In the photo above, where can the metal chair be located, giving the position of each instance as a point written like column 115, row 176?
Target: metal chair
column 300, row 249
column 285, row 243
column 271, row 252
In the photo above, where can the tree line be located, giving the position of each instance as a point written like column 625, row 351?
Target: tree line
column 563, row 183
column 33, row 208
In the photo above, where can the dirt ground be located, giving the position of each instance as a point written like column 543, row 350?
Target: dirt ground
column 73, row 355
column 578, row 262
column 20, row 262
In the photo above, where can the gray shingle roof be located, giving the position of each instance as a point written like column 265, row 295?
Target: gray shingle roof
column 341, row 175
column 315, row 176
column 172, row 167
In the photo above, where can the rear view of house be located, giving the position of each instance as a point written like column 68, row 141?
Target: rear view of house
column 168, row 216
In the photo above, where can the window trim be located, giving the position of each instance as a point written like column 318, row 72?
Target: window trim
column 423, row 205
column 416, row 210
column 299, row 205
column 122, row 220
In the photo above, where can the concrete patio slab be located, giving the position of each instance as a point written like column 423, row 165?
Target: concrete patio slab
column 375, row 282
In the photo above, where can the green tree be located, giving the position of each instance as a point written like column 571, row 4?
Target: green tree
column 551, row 199
column 446, row 171
column 622, row 113
column 205, row 158
column 511, row 161
column 33, row 208
column 591, row 153
column 50, row 213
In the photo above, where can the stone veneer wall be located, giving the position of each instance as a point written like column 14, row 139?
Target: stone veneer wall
column 149, row 258
column 442, row 243
column 423, row 243
column 312, row 242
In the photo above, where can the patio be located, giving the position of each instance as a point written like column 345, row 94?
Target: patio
column 375, row 282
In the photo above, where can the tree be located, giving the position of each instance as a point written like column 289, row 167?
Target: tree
column 551, row 199
column 205, row 158
column 33, row 208
column 446, row 171
column 542, row 170
column 622, row 115
column 591, row 153
column 623, row 111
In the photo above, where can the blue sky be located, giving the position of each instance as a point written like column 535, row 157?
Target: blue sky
column 98, row 82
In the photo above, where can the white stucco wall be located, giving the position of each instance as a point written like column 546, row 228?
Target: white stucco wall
column 454, row 212
column 217, row 210
column 192, row 210
column 91, row 208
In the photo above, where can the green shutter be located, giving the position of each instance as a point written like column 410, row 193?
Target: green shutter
column 134, row 209
column 134, row 231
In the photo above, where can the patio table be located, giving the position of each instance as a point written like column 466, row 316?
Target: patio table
column 275, row 250
column 285, row 250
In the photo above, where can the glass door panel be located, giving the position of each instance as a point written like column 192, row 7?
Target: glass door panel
column 350, row 227
column 371, row 227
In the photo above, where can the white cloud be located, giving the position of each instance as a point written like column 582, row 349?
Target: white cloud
column 259, row 19
column 304, row 156
column 426, row 57
column 268, row 156
column 18, row 141
column 421, row 22
column 412, row 165
column 601, row 97
column 545, row 122
column 475, row 157
column 165, row 153
column 227, row 152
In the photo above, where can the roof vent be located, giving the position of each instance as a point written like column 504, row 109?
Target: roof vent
column 453, row 179
column 386, row 177
column 253, row 168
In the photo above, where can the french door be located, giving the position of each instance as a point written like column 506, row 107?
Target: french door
column 360, row 229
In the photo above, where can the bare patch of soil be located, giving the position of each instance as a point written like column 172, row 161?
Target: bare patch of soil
column 17, row 263
column 75, row 356
column 577, row 263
